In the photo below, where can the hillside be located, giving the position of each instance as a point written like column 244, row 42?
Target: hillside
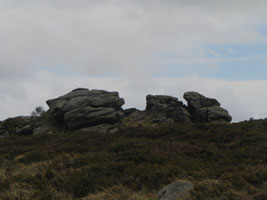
column 223, row 161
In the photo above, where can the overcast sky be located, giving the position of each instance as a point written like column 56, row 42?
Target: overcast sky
column 136, row 47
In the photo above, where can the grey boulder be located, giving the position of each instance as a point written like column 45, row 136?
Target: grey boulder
column 204, row 109
column 197, row 101
column 43, row 129
column 21, row 125
column 129, row 111
column 177, row 190
column 82, row 107
column 25, row 130
column 84, row 97
column 102, row 128
column 213, row 114
column 161, row 102
column 169, row 106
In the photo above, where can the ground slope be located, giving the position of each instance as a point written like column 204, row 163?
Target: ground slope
column 224, row 161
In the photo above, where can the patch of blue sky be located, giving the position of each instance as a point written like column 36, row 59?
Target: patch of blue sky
column 229, row 62
column 239, row 62
column 263, row 30
column 237, row 51
column 251, row 69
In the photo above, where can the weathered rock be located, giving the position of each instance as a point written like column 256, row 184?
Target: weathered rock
column 43, row 129
column 90, row 116
column 169, row 106
column 204, row 109
column 82, row 108
column 25, row 130
column 130, row 111
column 178, row 190
column 197, row 101
column 161, row 102
column 102, row 128
column 83, row 97
column 161, row 119
column 134, row 117
column 213, row 114
column 21, row 125
column 180, row 114
column 1, row 128
column 3, row 133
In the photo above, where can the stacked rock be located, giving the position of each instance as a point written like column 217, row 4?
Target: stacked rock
column 204, row 109
column 168, row 106
column 83, row 108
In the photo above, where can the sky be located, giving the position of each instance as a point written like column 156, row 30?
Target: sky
column 136, row 47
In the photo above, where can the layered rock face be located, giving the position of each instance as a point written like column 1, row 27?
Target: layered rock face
column 199, row 109
column 167, row 106
column 204, row 109
column 83, row 108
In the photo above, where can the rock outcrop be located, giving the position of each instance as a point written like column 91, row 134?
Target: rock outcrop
column 199, row 109
column 96, row 110
column 83, row 108
column 22, row 125
column 204, row 109
column 168, row 108
column 25, row 125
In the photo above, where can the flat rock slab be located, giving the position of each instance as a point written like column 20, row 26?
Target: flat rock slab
column 176, row 191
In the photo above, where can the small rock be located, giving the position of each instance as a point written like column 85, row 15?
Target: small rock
column 130, row 111
column 174, row 191
column 25, row 130
column 41, row 129
column 103, row 128
column 161, row 119
column 113, row 130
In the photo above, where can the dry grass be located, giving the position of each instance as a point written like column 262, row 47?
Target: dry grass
column 120, row 192
column 225, row 162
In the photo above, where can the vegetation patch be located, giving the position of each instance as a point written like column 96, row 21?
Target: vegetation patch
column 223, row 161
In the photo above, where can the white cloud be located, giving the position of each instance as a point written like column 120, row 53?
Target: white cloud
column 243, row 99
column 117, row 36
column 50, row 47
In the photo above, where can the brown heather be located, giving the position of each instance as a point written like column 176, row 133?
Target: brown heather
column 224, row 161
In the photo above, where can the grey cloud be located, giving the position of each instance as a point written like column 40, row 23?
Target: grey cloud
column 94, row 36
column 116, row 43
